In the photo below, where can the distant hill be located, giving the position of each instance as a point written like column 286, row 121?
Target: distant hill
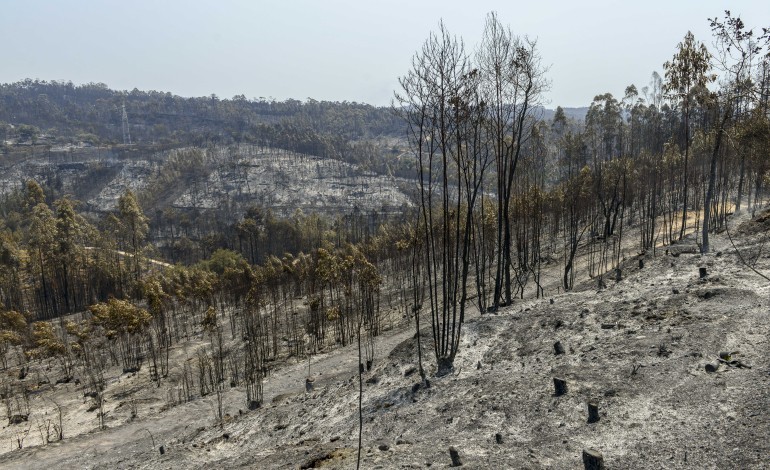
column 195, row 179
column 62, row 113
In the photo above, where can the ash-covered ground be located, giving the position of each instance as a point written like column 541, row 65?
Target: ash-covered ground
column 637, row 348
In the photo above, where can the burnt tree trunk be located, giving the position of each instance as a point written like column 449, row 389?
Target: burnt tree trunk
column 593, row 412
column 560, row 386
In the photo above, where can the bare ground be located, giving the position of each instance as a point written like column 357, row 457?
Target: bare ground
column 637, row 348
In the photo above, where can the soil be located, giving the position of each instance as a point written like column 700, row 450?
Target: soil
column 638, row 349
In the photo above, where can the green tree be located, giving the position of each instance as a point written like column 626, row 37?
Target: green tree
column 34, row 194
column 13, row 329
column 73, row 234
column 41, row 237
column 124, row 325
column 28, row 133
column 740, row 53
column 686, row 73
column 133, row 228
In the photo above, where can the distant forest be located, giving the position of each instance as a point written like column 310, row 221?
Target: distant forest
column 35, row 112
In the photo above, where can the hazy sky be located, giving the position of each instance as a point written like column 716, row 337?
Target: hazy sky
column 350, row 50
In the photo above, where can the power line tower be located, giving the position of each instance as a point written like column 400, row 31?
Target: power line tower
column 126, row 133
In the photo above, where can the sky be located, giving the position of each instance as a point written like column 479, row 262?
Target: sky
column 338, row 50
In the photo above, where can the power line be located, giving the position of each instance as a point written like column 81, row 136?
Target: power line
column 126, row 133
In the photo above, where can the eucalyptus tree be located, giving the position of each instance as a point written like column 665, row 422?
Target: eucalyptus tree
column 255, row 345
column 440, row 104
column 125, row 326
column 574, row 194
column 604, row 131
column 11, row 272
column 133, row 226
column 739, row 53
column 753, row 141
column 13, row 330
column 634, row 107
column 604, row 128
column 72, row 234
column 41, row 239
column 512, row 83
column 687, row 73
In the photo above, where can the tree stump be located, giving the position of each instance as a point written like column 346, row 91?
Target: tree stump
column 558, row 348
column 618, row 274
column 600, row 283
column 702, row 272
column 499, row 438
column 455, row 456
column 593, row 412
column 445, row 366
column 593, row 459
column 641, row 264
column 560, row 386
column 309, row 384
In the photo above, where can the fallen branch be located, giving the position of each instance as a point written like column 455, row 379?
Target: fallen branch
column 740, row 256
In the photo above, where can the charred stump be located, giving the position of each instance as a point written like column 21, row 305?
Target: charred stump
column 593, row 412
column 560, row 386
column 593, row 459
column 455, row 456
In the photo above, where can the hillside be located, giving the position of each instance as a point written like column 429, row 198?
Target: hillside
column 204, row 179
column 57, row 112
column 638, row 348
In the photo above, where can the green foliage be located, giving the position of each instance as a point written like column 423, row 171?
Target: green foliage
column 157, row 298
column 688, row 70
column 34, row 194
column 45, row 341
column 119, row 317
column 209, row 322
column 223, row 260
column 13, row 329
column 28, row 133
column 12, row 321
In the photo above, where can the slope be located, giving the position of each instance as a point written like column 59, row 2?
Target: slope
column 638, row 349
